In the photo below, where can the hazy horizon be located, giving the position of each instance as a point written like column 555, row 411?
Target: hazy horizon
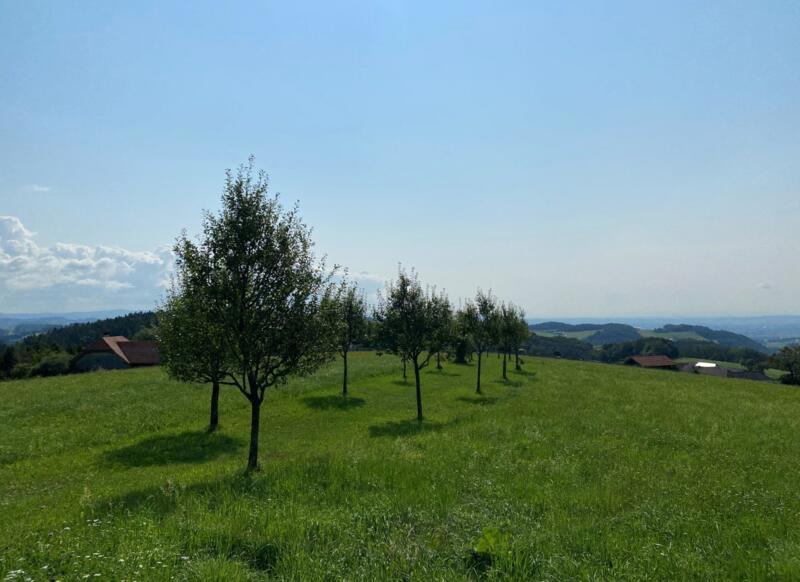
column 625, row 161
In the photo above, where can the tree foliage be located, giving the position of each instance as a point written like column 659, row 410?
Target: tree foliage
column 788, row 358
column 264, row 292
column 191, row 341
column 479, row 319
column 351, row 319
column 410, row 317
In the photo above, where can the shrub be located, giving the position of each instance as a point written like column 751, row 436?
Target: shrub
column 52, row 365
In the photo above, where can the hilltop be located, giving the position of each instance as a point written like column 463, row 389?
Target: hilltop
column 599, row 334
column 569, row 470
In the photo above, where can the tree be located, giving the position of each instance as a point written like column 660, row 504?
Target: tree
column 506, row 332
column 479, row 319
column 266, row 292
column 788, row 358
column 351, row 313
column 409, row 323
column 191, row 341
column 442, row 313
column 8, row 361
column 520, row 336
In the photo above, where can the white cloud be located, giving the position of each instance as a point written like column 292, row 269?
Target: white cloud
column 68, row 276
column 37, row 188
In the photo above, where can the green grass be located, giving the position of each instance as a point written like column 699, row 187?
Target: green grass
column 569, row 470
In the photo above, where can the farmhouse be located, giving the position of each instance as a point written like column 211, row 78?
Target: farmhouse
column 113, row 352
column 662, row 362
column 714, row 369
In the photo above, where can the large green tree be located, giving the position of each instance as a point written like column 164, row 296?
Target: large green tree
column 191, row 341
column 479, row 320
column 407, row 315
column 351, row 316
column 265, row 292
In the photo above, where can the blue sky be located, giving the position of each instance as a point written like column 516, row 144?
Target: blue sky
column 579, row 158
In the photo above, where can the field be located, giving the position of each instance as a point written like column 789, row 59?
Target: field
column 569, row 470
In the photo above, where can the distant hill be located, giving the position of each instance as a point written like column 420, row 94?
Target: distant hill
column 600, row 334
column 16, row 326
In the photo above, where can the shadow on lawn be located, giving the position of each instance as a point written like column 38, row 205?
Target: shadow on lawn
column 482, row 400
column 186, row 447
column 334, row 402
column 400, row 428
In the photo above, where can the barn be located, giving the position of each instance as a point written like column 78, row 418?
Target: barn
column 114, row 352
column 660, row 362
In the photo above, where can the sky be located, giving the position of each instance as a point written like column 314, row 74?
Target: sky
column 577, row 158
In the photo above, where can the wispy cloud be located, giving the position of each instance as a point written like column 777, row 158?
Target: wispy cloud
column 37, row 188
column 766, row 285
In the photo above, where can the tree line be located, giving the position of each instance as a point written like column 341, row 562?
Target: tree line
column 250, row 305
column 51, row 353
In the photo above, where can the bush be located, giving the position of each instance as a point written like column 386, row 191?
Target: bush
column 52, row 365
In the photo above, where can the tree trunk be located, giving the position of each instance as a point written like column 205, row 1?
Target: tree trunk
column 438, row 360
column 419, row 391
column 404, row 369
column 214, row 421
column 344, row 378
column 505, row 375
column 517, row 365
column 478, row 388
column 255, row 422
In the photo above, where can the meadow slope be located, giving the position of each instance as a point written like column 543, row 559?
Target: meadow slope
column 568, row 470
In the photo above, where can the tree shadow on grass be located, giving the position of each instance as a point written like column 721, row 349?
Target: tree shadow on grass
column 405, row 428
column 482, row 400
column 334, row 402
column 401, row 382
column 444, row 373
column 186, row 447
column 523, row 372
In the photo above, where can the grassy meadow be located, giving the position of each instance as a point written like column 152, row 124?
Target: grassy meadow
column 569, row 470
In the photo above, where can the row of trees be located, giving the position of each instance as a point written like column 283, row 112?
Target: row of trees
column 250, row 305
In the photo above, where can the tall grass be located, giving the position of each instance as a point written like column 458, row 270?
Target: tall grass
column 568, row 470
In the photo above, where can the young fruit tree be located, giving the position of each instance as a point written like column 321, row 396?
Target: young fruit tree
column 521, row 334
column 479, row 320
column 406, row 314
column 442, row 313
column 266, row 292
column 351, row 315
column 506, row 330
column 191, row 342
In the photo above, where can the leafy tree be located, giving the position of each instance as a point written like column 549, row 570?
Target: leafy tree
column 191, row 341
column 520, row 336
column 479, row 319
column 442, row 313
column 506, row 332
column 265, row 292
column 351, row 313
column 788, row 358
column 8, row 361
column 408, row 318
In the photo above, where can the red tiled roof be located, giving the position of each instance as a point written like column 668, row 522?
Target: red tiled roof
column 652, row 361
column 139, row 353
column 132, row 353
